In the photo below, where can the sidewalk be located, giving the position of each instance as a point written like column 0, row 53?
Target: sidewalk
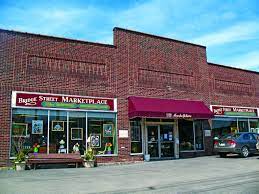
column 147, row 177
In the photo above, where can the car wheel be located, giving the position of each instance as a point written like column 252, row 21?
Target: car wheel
column 244, row 152
column 223, row 155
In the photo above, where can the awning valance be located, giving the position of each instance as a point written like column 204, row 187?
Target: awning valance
column 167, row 108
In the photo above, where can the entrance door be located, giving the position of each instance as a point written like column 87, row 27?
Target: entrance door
column 166, row 141
column 152, row 141
column 160, row 141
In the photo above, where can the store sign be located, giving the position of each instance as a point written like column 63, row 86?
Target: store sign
column 178, row 116
column 23, row 99
column 123, row 133
column 234, row 111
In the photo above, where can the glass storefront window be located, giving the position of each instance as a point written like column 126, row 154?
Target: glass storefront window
column 224, row 126
column 29, row 129
column 77, row 132
column 198, row 126
column 102, row 136
column 254, row 125
column 58, row 132
column 136, row 136
column 243, row 125
column 67, row 131
column 186, row 136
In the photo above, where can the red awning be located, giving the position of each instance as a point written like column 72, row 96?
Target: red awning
column 167, row 108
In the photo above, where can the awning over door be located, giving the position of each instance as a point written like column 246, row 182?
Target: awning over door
column 167, row 108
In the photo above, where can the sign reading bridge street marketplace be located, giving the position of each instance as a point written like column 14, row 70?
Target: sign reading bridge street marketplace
column 49, row 101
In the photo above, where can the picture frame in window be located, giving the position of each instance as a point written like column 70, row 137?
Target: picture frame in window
column 108, row 130
column 19, row 129
column 95, row 140
column 76, row 133
column 37, row 127
column 57, row 126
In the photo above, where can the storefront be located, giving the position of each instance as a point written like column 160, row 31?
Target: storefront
column 232, row 119
column 134, row 98
column 57, row 123
column 166, row 128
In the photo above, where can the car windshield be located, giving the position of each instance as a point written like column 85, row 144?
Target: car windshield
column 231, row 136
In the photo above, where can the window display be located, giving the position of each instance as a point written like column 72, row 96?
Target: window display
column 102, row 134
column 243, row 125
column 224, row 126
column 67, row 131
column 186, row 135
column 58, row 132
column 77, row 131
column 198, row 124
column 254, row 125
column 136, row 136
column 29, row 127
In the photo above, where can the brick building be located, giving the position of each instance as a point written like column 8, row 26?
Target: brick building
column 143, row 95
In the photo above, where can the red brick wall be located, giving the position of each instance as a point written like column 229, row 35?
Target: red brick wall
column 137, row 64
column 233, row 87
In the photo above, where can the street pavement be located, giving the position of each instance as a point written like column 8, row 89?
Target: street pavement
column 195, row 175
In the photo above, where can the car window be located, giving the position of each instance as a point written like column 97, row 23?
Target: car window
column 246, row 137
column 256, row 136
column 251, row 137
column 230, row 136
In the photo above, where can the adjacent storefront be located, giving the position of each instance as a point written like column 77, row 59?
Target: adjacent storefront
column 163, row 128
column 54, row 123
column 232, row 119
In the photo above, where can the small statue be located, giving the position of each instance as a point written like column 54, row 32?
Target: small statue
column 62, row 142
column 76, row 148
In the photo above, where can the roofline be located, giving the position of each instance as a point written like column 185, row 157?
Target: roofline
column 235, row 68
column 57, row 38
column 156, row 36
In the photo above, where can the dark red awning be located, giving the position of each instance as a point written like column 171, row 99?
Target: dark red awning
column 165, row 108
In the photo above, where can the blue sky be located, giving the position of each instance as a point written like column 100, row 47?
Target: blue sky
column 229, row 28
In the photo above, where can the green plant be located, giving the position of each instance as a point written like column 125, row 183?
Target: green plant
column 89, row 154
column 20, row 156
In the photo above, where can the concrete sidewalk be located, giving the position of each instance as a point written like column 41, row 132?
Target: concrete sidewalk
column 203, row 174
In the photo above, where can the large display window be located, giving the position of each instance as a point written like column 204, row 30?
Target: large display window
column 29, row 129
column 254, row 125
column 136, row 136
column 224, row 126
column 77, row 132
column 198, row 127
column 186, row 135
column 60, row 131
column 102, row 136
column 191, row 134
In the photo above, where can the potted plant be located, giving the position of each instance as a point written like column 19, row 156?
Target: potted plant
column 20, row 161
column 89, row 158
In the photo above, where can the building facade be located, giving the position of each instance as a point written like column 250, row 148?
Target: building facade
column 144, row 95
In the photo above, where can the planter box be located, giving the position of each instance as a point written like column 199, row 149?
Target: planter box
column 89, row 163
column 19, row 166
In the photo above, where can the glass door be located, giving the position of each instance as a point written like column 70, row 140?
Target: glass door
column 166, row 141
column 152, row 141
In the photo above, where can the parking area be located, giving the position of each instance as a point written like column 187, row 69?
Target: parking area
column 197, row 175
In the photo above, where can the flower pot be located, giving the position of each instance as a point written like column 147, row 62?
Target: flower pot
column 147, row 157
column 89, row 163
column 19, row 166
column 109, row 152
